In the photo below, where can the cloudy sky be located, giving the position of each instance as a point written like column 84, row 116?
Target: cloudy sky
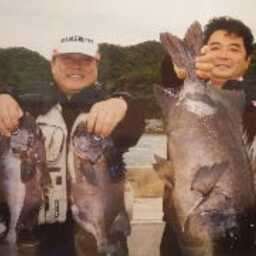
column 36, row 24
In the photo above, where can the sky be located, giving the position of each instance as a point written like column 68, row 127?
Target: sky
column 38, row 24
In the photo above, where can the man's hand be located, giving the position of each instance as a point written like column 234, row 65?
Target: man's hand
column 10, row 113
column 180, row 72
column 204, row 64
column 105, row 115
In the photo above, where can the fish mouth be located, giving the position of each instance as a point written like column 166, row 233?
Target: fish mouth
column 105, row 245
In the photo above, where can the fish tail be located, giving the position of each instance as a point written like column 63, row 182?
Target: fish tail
column 183, row 52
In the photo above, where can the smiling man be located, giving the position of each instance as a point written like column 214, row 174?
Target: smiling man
column 74, row 67
column 227, row 52
column 226, row 56
column 73, row 70
column 75, row 90
column 229, row 55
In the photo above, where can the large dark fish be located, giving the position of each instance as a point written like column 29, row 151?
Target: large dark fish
column 210, row 198
column 97, row 190
column 22, row 167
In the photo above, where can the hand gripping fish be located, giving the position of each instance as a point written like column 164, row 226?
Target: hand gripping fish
column 209, row 198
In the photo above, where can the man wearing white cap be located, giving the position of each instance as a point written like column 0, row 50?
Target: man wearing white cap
column 74, row 67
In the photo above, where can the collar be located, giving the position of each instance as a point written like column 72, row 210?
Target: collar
column 87, row 96
column 240, row 79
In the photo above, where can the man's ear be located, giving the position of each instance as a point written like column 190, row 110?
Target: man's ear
column 52, row 64
column 248, row 62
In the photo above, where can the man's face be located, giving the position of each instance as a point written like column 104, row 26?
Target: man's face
column 74, row 71
column 229, row 55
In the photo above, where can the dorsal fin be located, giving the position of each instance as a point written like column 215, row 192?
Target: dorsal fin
column 207, row 177
column 183, row 52
column 165, row 97
column 194, row 39
column 165, row 170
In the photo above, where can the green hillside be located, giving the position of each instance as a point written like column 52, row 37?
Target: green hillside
column 134, row 69
column 21, row 67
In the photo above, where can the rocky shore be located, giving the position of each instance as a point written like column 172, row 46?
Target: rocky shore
column 154, row 126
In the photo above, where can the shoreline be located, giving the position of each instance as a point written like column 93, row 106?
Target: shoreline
column 145, row 182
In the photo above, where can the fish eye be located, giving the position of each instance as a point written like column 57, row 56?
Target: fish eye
column 97, row 138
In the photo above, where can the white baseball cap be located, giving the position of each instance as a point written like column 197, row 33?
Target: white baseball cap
column 76, row 44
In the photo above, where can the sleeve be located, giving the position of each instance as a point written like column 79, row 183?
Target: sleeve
column 8, row 89
column 130, row 129
column 248, row 86
column 35, row 100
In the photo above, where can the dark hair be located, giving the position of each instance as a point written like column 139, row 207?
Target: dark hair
column 168, row 74
column 232, row 26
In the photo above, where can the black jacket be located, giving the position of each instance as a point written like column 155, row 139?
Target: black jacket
column 41, row 98
column 248, row 86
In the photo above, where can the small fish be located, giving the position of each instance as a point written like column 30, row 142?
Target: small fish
column 97, row 181
column 22, row 172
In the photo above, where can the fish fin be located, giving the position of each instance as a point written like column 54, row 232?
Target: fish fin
column 183, row 52
column 165, row 98
column 207, row 177
column 175, row 47
column 194, row 39
column 165, row 170
column 121, row 224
